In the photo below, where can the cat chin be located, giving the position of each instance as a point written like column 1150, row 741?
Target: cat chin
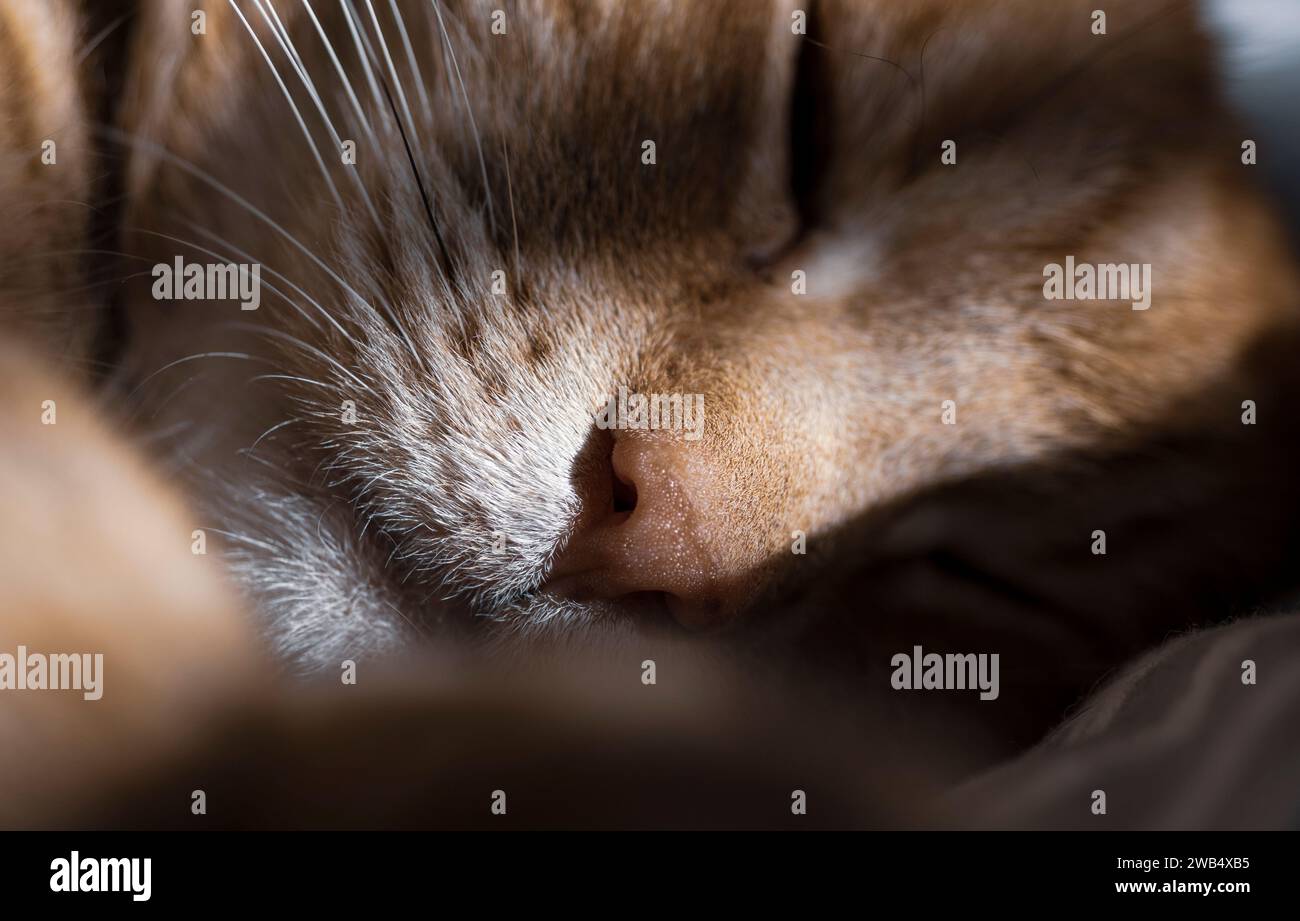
column 543, row 616
column 319, row 593
column 324, row 592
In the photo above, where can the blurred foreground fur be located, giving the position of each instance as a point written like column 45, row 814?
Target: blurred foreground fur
column 190, row 702
column 95, row 556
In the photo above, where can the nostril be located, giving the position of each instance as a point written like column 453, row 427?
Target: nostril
column 624, row 493
column 646, row 538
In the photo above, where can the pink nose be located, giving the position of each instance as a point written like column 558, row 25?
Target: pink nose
column 652, row 526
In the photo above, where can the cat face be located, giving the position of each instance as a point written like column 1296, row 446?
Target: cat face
column 815, row 240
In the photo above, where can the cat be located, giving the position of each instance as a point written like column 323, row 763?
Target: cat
column 406, row 450
column 828, row 221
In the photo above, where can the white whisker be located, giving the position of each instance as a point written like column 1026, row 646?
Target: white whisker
column 286, row 43
column 510, row 193
column 397, row 81
column 181, row 361
column 248, row 257
column 98, row 39
column 311, row 142
column 290, row 377
column 347, row 84
column 272, row 430
column 245, row 539
column 410, row 58
column 328, row 359
column 469, row 108
column 348, row 12
column 207, row 178
column 226, row 259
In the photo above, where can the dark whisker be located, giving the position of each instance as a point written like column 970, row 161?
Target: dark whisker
column 415, row 170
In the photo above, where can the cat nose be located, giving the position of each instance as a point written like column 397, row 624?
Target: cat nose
column 651, row 527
